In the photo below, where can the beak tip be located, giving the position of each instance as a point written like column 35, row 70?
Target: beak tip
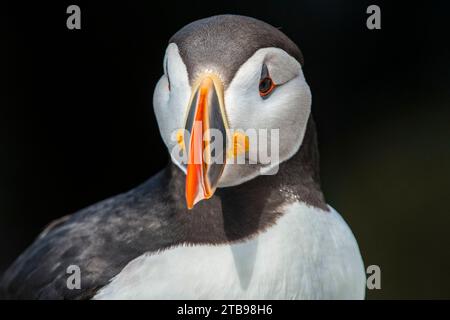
column 190, row 200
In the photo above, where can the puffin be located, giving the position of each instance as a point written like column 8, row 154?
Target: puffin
column 209, row 226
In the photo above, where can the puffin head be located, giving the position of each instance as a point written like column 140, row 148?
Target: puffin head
column 233, row 102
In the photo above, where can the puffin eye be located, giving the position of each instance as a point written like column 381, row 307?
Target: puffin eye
column 167, row 75
column 266, row 84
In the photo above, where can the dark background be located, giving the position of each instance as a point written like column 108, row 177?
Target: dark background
column 77, row 125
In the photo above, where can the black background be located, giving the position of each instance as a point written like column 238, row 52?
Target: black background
column 77, row 125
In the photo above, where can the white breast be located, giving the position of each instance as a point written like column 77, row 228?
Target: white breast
column 307, row 254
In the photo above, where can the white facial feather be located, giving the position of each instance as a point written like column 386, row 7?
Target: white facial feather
column 287, row 108
column 171, row 105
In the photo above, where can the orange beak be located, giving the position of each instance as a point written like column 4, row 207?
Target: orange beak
column 205, row 114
